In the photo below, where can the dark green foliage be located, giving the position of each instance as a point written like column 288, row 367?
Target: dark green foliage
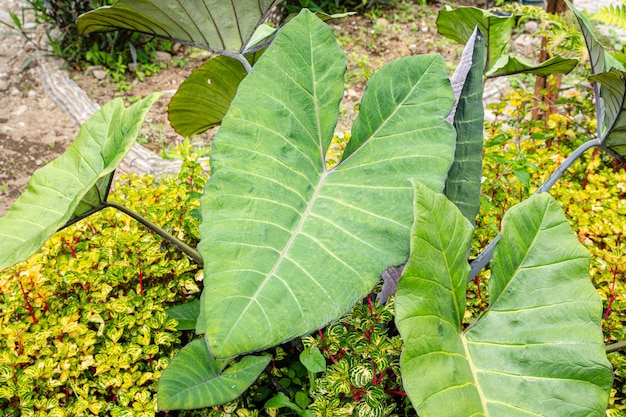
column 113, row 50
column 333, row 6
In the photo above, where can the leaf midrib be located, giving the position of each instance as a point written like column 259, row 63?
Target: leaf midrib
column 474, row 370
column 296, row 232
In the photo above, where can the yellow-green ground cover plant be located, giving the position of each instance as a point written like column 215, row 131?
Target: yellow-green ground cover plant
column 288, row 243
column 84, row 329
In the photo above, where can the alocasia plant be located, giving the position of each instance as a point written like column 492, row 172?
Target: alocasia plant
column 290, row 245
column 278, row 225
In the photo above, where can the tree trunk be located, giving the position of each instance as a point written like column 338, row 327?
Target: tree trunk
column 548, row 92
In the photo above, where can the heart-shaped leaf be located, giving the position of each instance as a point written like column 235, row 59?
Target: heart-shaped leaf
column 601, row 61
column 537, row 351
column 194, row 379
column 215, row 25
column 73, row 184
column 290, row 245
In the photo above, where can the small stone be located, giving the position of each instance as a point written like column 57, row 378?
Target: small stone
column 169, row 93
column 14, row 91
column 21, row 110
column 531, row 27
column 351, row 93
column 97, row 71
column 523, row 41
column 32, row 94
column 90, row 69
column 162, row 56
column 99, row 74
column 4, row 85
column 382, row 22
column 424, row 29
column 38, row 162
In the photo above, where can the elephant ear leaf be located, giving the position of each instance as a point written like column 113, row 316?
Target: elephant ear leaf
column 75, row 183
column 194, row 379
column 601, row 61
column 218, row 26
column 540, row 336
column 509, row 65
column 289, row 244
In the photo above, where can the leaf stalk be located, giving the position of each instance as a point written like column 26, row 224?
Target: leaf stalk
column 485, row 256
column 186, row 249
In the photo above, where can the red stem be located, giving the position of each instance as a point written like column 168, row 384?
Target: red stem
column 607, row 313
column 502, row 214
column 140, row 278
column 477, row 280
column 30, row 308
column 380, row 378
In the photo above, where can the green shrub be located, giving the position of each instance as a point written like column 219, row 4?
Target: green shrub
column 84, row 329
column 113, row 50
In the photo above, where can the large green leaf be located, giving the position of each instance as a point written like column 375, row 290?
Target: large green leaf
column 536, row 351
column 74, row 183
column 203, row 98
column 217, row 25
column 464, row 179
column 288, row 244
column 194, row 379
column 458, row 24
